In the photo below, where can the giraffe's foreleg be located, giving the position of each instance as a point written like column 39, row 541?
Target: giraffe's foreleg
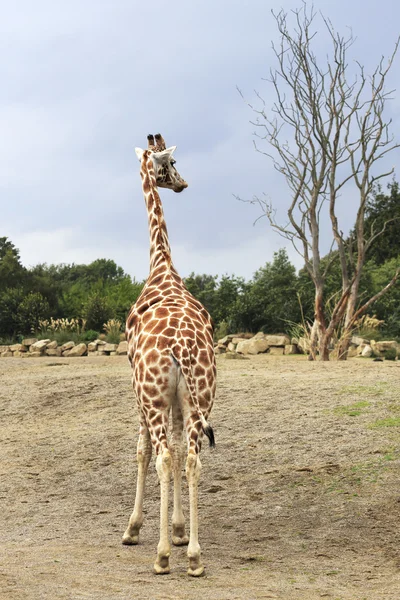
column 193, row 469
column 179, row 537
column 163, row 466
column 144, row 448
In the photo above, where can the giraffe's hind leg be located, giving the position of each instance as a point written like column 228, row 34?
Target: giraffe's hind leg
column 179, row 537
column 144, row 448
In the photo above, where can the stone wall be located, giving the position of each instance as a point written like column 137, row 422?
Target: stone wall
column 281, row 344
column 32, row 348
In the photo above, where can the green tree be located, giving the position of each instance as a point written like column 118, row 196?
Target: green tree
column 11, row 270
column 97, row 311
column 31, row 311
column 383, row 214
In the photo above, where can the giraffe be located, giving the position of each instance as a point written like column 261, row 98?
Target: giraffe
column 170, row 348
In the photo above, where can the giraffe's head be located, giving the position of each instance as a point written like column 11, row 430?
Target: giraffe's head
column 163, row 163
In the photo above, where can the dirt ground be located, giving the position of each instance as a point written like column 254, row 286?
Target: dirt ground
column 299, row 500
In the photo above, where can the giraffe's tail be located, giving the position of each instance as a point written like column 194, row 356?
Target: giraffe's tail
column 188, row 376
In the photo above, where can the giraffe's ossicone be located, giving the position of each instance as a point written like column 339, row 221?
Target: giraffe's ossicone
column 171, row 351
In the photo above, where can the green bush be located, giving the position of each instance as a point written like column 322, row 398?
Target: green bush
column 90, row 335
column 97, row 311
column 391, row 354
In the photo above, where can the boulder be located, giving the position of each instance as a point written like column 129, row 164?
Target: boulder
column 259, row 336
column 52, row 345
column 6, row 354
column 352, row 351
column 39, row 346
column 235, row 356
column 78, row 350
column 252, row 346
column 18, row 348
column 383, row 346
column 277, row 340
column 357, row 341
column 231, row 347
column 237, row 340
column 29, row 341
column 92, row 347
column 110, row 347
column 67, row 346
column 277, row 350
column 18, row 354
column 53, row 352
column 303, row 345
column 122, row 348
column 35, row 354
column 99, row 342
column 4, row 349
column 220, row 350
column 367, row 351
column 290, row 349
column 100, row 353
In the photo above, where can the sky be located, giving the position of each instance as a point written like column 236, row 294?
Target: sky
column 84, row 82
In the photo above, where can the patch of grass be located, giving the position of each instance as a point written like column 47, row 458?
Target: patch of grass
column 370, row 390
column 352, row 410
column 388, row 422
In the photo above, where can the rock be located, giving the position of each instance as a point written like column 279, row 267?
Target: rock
column 294, row 341
column 100, row 353
column 29, row 341
column 39, row 346
column 220, row 350
column 277, row 340
column 383, row 346
column 357, row 341
column 113, row 354
column 237, row 340
column 78, row 350
column 235, row 355
column 252, row 346
column 92, row 347
column 35, row 354
column 352, row 351
column 6, row 354
column 224, row 340
column 259, row 336
column 53, row 352
column 99, row 342
column 17, row 354
column 4, row 349
column 122, row 348
column 304, row 345
column 18, row 348
column 277, row 350
column 367, row 351
column 290, row 349
column 110, row 347
column 67, row 346
column 52, row 345
column 231, row 347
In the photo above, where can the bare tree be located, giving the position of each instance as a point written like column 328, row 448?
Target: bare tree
column 337, row 135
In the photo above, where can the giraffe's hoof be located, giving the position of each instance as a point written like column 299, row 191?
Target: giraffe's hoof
column 199, row 572
column 161, row 567
column 180, row 540
column 130, row 540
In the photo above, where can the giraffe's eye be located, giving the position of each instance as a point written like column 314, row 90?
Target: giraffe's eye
column 173, row 162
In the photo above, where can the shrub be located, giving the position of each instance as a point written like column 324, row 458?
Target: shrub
column 391, row 354
column 97, row 311
column 90, row 335
column 113, row 331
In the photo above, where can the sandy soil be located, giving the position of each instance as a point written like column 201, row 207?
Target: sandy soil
column 299, row 500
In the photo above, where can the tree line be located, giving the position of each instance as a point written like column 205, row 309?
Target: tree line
column 276, row 299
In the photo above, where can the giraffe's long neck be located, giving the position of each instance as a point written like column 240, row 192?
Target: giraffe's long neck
column 160, row 251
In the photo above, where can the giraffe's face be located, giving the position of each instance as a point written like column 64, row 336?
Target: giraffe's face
column 164, row 168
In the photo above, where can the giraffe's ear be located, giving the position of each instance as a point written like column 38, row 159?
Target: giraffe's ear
column 139, row 153
column 170, row 150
